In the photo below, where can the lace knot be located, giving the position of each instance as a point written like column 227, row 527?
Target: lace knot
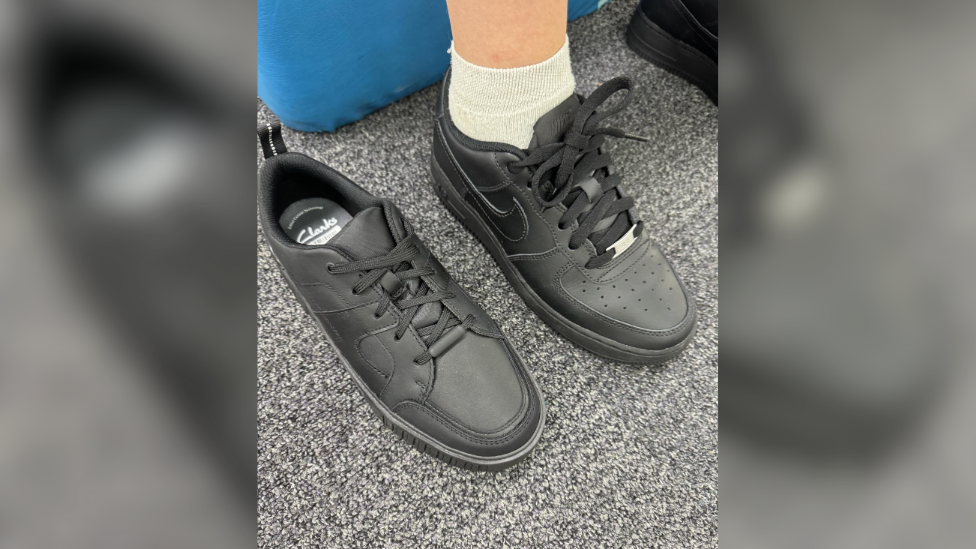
column 600, row 212
column 576, row 140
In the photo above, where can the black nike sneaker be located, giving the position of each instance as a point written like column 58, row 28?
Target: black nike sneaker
column 429, row 360
column 564, row 232
column 680, row 36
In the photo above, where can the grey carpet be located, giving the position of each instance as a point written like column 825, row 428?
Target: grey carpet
column 629, row 454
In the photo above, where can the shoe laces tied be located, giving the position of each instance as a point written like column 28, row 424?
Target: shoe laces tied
column 397, row 262
column 577, row 158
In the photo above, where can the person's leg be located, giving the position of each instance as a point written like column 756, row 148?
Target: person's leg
column 506, row 34
column 510, row 65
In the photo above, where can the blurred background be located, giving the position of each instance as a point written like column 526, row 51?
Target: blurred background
column 127, row 325
column 848, row 203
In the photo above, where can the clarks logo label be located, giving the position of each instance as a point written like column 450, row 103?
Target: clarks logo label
column 310, row 233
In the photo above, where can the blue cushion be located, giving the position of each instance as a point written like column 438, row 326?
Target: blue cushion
column 325, row 63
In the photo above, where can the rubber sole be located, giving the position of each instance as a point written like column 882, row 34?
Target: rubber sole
column 657, row 46
column 583, row 337
column 411, row 434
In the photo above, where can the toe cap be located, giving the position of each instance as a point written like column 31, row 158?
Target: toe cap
column 483, row 401
column 644, row 305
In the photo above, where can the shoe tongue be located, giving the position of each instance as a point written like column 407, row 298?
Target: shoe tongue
column 369, row 234
column 551, row 127
column 374, row 232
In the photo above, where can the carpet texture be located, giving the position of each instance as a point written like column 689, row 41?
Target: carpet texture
column 629, row 453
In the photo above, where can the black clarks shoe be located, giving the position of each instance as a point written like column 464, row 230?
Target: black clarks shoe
column 429, row 360
column 680, row 36
column 563, row 231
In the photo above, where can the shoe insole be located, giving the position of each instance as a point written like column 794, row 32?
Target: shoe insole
column 314, row 221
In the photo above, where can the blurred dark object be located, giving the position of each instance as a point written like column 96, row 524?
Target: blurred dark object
column 770, row 130
column 133, row 147
column 833, row 339
column 846, row 239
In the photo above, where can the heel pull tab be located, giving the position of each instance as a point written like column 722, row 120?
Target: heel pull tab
column 271, row 140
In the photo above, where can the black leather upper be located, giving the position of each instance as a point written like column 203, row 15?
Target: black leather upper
column 636, row 299
column 694, row 22
column 476, row 398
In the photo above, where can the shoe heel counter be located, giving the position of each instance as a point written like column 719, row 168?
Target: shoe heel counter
column 442, row 95
column 441, row 163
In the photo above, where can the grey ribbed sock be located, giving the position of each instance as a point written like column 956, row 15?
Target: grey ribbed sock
column 504, row 104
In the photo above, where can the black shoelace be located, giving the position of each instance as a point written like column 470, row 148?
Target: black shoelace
column 577, row 159
column 391, row 272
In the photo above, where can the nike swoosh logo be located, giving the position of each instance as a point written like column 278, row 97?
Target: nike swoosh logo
column 493, row 213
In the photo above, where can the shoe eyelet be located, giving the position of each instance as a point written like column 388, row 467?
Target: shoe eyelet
column 329, row 267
